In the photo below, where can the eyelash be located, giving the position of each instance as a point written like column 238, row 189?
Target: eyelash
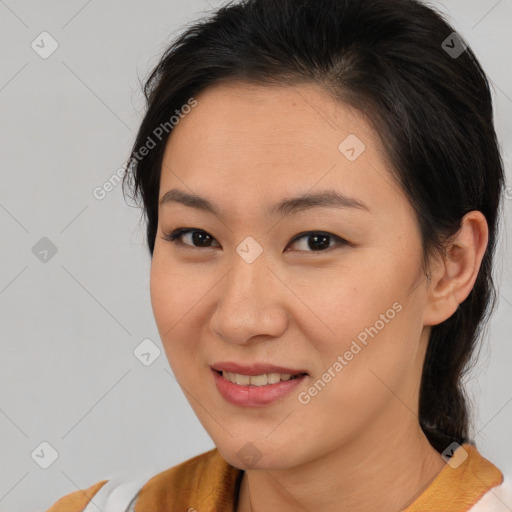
column 175, row 236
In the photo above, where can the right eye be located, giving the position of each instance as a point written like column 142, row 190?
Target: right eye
column 197, row 237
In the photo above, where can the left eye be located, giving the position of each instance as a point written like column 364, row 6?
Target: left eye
column 310, row 241
column 317, row 241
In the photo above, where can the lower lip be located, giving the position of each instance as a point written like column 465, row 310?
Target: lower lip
column 252, row 396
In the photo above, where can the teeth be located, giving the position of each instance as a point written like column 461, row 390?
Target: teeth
column 273, row 378
column 243, row 380
column 256, row 380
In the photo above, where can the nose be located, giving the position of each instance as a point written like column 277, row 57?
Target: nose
column 250, row 305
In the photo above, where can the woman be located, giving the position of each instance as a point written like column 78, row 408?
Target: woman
column 322, row 184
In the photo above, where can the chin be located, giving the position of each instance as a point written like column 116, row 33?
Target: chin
column 260, row 453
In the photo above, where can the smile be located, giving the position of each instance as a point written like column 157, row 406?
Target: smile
column 255, row 390
column 257, row 380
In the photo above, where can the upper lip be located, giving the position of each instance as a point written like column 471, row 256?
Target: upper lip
column 253, row 369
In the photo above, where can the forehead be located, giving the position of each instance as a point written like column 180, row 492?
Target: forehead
column 241, row 118
column 274, row 141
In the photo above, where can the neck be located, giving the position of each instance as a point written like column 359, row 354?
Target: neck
column 362, row 476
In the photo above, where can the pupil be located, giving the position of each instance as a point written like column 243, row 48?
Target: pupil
column 316, row 242
column 200, row 239
column 320, row 242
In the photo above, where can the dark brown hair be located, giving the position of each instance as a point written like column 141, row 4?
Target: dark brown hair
column 400, row 63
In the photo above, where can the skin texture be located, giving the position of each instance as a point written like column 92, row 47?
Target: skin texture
column 357, row 444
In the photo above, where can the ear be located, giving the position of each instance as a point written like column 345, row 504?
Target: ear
column 454, row 274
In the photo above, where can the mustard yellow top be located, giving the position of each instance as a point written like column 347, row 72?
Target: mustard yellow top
column 208, row 483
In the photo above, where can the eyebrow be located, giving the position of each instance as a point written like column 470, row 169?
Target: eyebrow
column 289, row 206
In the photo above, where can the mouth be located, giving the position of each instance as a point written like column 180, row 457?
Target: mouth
column 262, row 379
column 256, row 385
column 255, row 369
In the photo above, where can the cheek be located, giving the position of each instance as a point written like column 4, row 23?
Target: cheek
column 175, row 296
column 174, row 289
column 360, row 379
column 164, row 294
column 364, row 316
column 372, row 359
column 344, row 301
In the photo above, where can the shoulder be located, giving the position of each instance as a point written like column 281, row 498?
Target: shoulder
column 206, row 481
column 183, row 482
column 497, row 499
column 77, row 500
column 116, row 494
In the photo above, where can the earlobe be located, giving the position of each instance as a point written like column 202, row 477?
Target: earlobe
column 455, row 274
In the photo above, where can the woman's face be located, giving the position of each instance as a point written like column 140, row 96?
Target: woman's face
column 256, row 285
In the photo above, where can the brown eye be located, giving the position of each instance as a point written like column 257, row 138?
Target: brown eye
column 311, row 241
column 193, row 237
column 317, row 241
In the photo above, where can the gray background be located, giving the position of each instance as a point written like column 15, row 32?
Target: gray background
column 69, row 326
